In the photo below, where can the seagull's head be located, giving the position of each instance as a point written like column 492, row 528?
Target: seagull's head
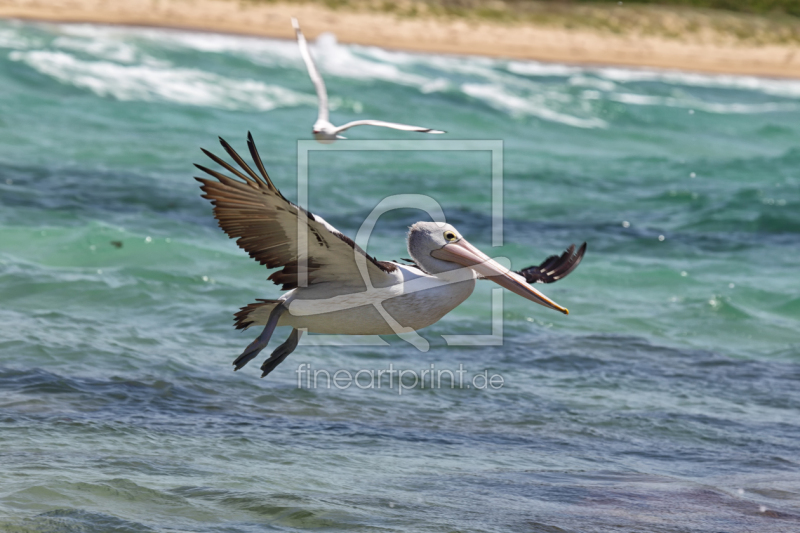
column 324, row 132
column 440, row 249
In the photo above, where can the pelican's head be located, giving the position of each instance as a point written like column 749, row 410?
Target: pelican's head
column 440, row 248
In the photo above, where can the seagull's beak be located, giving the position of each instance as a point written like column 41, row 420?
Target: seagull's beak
column 463, row 253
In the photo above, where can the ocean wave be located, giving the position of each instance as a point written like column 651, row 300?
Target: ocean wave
column 775, row 87
column 594, row 83
column 161, row 83
column 331, row 57
column 497, row 97
column 125, row 71
column 9, row 39
column 341, row 61
column 607, row 81
column 710, row 107
column 112, row 50
column 783, row 88
column 534, row 68
column 260, row 51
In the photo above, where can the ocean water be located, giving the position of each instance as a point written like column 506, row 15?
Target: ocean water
column 667, row 401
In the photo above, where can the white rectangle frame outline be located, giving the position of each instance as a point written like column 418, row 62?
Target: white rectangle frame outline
column 495, row 147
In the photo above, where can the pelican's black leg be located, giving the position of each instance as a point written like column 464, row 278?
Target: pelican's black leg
column 261, row 342
column 281, row 352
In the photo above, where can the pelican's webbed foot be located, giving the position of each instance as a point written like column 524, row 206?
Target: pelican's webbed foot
column 281, row 352
column 261, row 342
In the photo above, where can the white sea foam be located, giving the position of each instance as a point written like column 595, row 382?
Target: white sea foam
column 266, row 52
column 785, row 88
column 339, row 60
column 153, row 83
column 126, row 71
column 588, row 81
column 113, row 50
column 331, row 57
column 497, row 97
column 775, row 87
column 534, row 68
column 373, row 62
column 11, row 37
column 710, row 107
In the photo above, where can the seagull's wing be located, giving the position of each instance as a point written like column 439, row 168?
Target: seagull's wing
column 382, row 124
column 266, row 225
column 313, row 73
column 554, row 267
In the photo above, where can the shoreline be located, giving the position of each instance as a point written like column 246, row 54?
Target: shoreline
column 699, row 52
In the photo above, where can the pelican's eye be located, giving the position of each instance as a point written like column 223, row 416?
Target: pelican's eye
column 450, row 236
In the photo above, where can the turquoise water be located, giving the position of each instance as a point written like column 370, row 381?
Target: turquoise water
column 667, row 401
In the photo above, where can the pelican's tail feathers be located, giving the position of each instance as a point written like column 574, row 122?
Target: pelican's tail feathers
column 254, row 314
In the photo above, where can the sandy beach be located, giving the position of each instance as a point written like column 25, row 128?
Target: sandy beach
column 704, row 50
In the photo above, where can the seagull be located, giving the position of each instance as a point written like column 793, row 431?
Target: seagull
column 332, row 285
column 323, row 130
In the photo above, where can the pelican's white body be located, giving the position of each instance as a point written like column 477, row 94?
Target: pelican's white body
column 413, row 299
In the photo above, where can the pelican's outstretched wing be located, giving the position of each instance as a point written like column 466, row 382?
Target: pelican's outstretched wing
column 554, row 267
column 313, row 73
column 382, row 124
column 267, row 226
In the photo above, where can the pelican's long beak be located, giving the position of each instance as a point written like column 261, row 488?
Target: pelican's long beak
column 463, row 253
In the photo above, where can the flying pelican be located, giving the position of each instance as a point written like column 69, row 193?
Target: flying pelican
column 323, row 130
column 332, row 285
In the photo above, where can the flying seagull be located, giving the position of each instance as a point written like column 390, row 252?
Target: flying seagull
column 332, row 285
column 323, row 130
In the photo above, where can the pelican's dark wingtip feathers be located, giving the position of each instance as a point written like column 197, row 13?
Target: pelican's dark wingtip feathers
column 555, row 267
column 251, row 145
column 241, row 162
column 264, row 223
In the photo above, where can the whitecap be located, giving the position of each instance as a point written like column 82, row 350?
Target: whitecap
column 14, row 39
column 154, row 83
column 11, row 39
column 772, row 86
column 776, row 87
column 637, row 99
column 437, row 85
column 515, row 78
column 745, row 109
column 268, row 52
column 497, row 97
column 118, row 51
column 534, row 68
column 594, row 83
column 709, row 107
column 332, row 58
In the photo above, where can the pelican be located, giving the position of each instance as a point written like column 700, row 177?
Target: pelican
column 332, row 285
column 323, row 130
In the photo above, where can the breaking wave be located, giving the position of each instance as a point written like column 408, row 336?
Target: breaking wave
column 160, row 82
column 116, row 62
